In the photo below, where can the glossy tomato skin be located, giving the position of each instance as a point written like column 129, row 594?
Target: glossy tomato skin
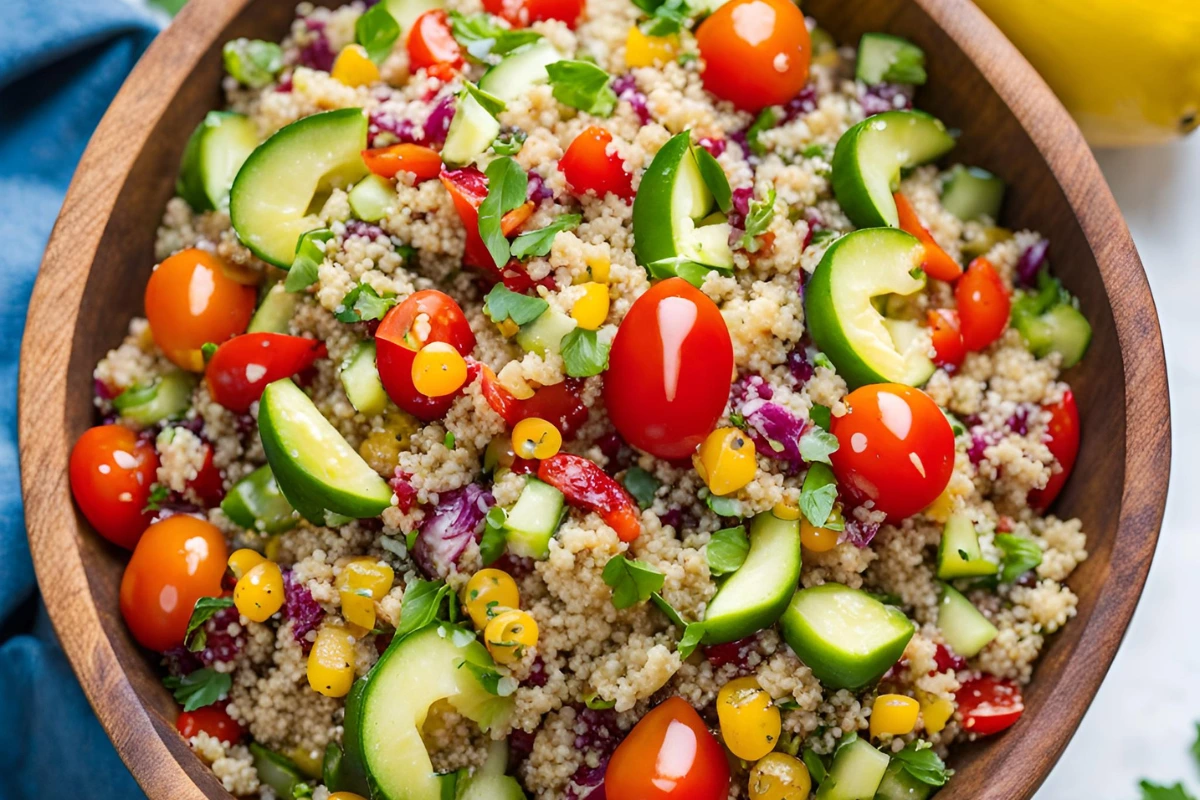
column 111, row 473
column 587, row 486
column 895, row 448
column 949, row 350
column 669, row 370
column 177, row 561
column 989, row 704
column 937, row 263
column 522, row 13
column 398, row 339
column 190, row 301
column 756, row 52
column 209, row 484
column 1062, row 439
column 983, row 305
column 422, row 162
column 244, row 365
column 589, row 167
column 431, row 42
column 213, row 720
column 559, row 404
column 669, row 755
column 468, row 189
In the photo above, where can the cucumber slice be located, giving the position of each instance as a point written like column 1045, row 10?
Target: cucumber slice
column 276, row 771
column 315, row 468
column 405, row 12
column 898, row 784
column 360, row 379
column 256, row 504
column 351, row 773
column 959, row 555
column 965, row 629
column 883, row 57
column 275, row 311
column 212, row 157
column 971, row 193
column 489, row 781
column 869, row 157
column 856, row 772
column 169, row 397
column 425, row 668
column 287, row 178
column 545, row 334
column 672, row 202
column 757, row 594
column 846, row 637
column 1062, row 329
column 520, row 71
column 471, row 132
column 372, row 198
column 534, row 518
column 863, row 346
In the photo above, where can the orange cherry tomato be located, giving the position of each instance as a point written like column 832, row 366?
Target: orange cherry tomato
column 983, row 305
column 989, row 704
column 244, row 365
column 431, row 42
column 756, row 52
column 424, row 317
column 111, row 473
column 587, row 486
column 949, row 350
column 190, row 301
column 589, row 167
column 937, row 262
column 1062, row 439
column 213, row 720
column 386, row 162
column 521, row 13
column 669, row 755
column 177, row 561
column 558, row 404
column 895, row 448
column 468, row 188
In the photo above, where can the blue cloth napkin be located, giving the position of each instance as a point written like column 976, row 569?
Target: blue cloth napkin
column 61, row 62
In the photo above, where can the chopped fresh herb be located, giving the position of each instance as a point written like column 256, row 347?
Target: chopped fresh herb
column 687, row 57
column 762, row 212
column 922, row 763
column 158, row 494
column 714, row 178
column 1020, row 556
column 821, row 236
column 668, row 18
column 491, row 680
column 491, row 546
column 198, row 689
column 490, row 103
column 195, row 638
column 815, row 764
column 956, row 425
column 692, row 635
column 509, row 143
column 1152, row 791
column 207, row 351
column 669, row 610
column 484, row 40
column 737, row 420
column 421, row 604
column 539, row 242
column 787, row 704
column 723, row 506
column 582, row 85
column 916, row 273
column 502, row 303
column 410, row 539
column 377, row 30
column 820, row 415
column 767, row 119
column 507, row 184
column 596, row 703
column 310, row 253
column 302, row 791
column 584, row 354
column 407, row 253
column 818, row 494
column 252, row 62
column 816, row 445
column 363, row 304
column 822, row 360
column 813, row 151
column 632, row 582
column 642, row 485
column 727, row 550
column 449, row 440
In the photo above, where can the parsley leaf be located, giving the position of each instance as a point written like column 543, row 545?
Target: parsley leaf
column 584, row 354
column 252, row 62
column 491, row 546
column 762, row 212
column 487, row 101
column 667, row 17
column 1020, row 556
column 822, row 360
column 539, row 242
column 818, row 494
column 642, row 485
column 363, row 303
column 922, row 763
column 669, row 610
column 502, row 303
column 768, row 118
column 723, row 506
column 714, row 178
column 207, row 351
column 507, row 184
column 377, row 30
column 632, row 582
column 449, row 440
column 510, row 143
column 1152, row 791
column 310, row 253
column 816, row 444
column 198, row 689
column 692, row 635
column 491, row 680
column 158, row 494
column 195, row 638
column 727, row 550
column 820, row 415
column 420, row 605
column 484, row 40
column 582, row 85
column 596, row 703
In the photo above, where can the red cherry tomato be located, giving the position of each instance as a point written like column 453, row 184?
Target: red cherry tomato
column 177, row 561
column 468, row 188
column 669, row 755
column 111, row 473
column 558, row 403
column 521, row 13
column 589, row 167
column 213, row 720
column 948, row 347
column 989, row 704
column 1063, row 441
column 983, row 305
column 427, row 316
column 386, row 162
column 669, row 370
column 431, row 42
column 587, row 486
column 756, row 52
column 937, row 262
column 244, row 365
column 208, row 485
column 895, row 448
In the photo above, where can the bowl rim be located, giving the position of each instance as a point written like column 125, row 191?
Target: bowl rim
column 159, row 760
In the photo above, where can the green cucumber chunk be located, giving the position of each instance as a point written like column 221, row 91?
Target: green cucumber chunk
column 545, row 334
column 276, row 771
column 275, row 312
column 864, row 346
column 971, row 193
column 351, row 772
column 898, row 784
column 886, row 58
column 287, row 179
column 405, row 12
column 532, row 521
column 489, row 781
column 471, row 132
column 1049, row 321
column 959, row 555
column 520, row 71
column 846, row 637
column 212, row 157
column 256, row 503
column 316, row 469
column 965, row 629
column 169, row 397
column 855, row 774
column 756, row 595
column 869, row 157
column 372, row 198
column 360, row 379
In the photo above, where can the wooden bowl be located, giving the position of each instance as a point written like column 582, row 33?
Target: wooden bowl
column 101, row 253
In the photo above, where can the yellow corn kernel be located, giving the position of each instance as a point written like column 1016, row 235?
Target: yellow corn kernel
column 508, row 328
column 726, row 461
column 935, row 711
column 346, row 796
column 895, row 714
column 489, row 593
column 598, row 268
column 243, row 560
column 438, row 370
column 778, row 776
column 750, row 722
column 354, row 67
column 331, row 661
column 533, row 437
column 362, row 583
column 820, row 540
column 381, row 449
column 646, row 51
column 259, row 592
column 591, row 310
column 785, row 510
column 509, row 635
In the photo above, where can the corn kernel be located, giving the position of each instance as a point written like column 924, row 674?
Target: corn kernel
column 243, row 560
column 438, row 370
column 820, row 540
column 259, row 592
column 489, row 593
column 598, row 268
column 508, row 328
column 591, row 310
column 354, row 67
column 646, row 51
column 750, row 722
column 726, row 461
column 778, row 776
column 381, row 449
column 331, row 661
column 895, row 714
column 535, row 438
column 509, row 635
column 362, row 583
column 935, row 711
column 785, row 510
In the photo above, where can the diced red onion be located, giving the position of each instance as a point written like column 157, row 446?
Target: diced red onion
column 859, row 533
column 456, row 521
column 300, row 607
column 1032, row 259
column 883, row 97
column 384, row 129
column 803, row 103
column 437, row 125
column 775, row 430
column 317, row 54
column 406, row 495
column 626, row 89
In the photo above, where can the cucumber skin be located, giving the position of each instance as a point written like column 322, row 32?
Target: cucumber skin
column 652, row 204
column 971, row 192
column 534, row 544
column 859, row 759
column 897, row 784
column 966, row 643
column 974, row 566
column 240, row 511
column 740, row 625
column 275, row 311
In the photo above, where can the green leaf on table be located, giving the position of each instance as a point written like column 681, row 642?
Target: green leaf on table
column 252, row 62
column 195, row 637
column 507, row 184
column 632, row 581
column 377, row 31
column 198, row 689
column 584, row 354
column 310, row 254
column 818, row 494
column 582, row 85
column 817, row 444
column 502, row 303
column 727, row 550
column 539, row 242
column 1021, row 554
column 1153, row 791
column 642, row 485
column 363, row 304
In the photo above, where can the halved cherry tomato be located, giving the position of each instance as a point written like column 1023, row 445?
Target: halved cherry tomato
column 669, row 755
column 948, row 348
column 1062, row 438
column 213, row 720
column 895, row 448
column 111, row 473
column 177, row 561
column 424, row 317
column 468, row 188
column 521, row 13
column 669, row 370
column 587, row 486
column 190, row 301
column 756, row 52
column 589, row 167
column 386, row 162
column 208, row 485
column 983, row 305
column 558, row 403
column 989, row 704
column 244, row 365
column 937, row 263
column 431, row 42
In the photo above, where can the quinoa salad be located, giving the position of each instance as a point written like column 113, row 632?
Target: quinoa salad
column 623, row 399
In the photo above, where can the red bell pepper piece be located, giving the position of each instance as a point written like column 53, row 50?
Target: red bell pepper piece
column 558, row 404
column 1062, row 438
column 587, row 486
column 468, row 188
column 937, row 262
